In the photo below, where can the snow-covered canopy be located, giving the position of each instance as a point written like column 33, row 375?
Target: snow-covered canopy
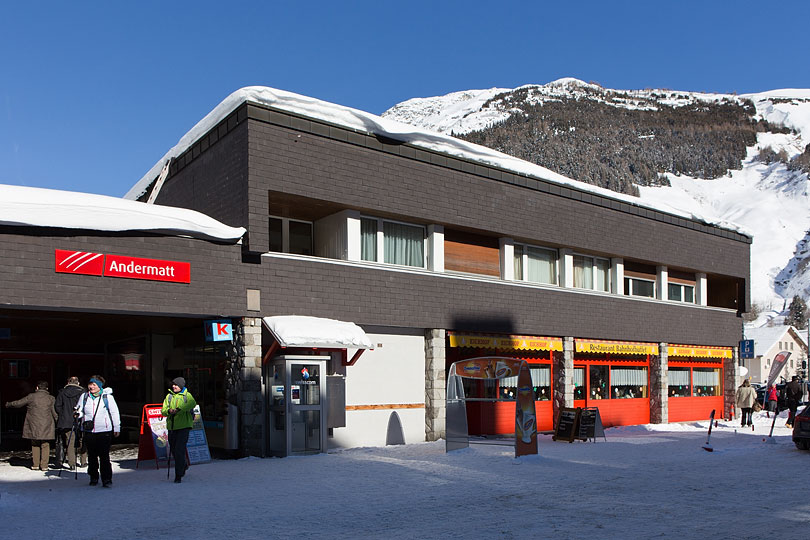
column 302, row 331
column 376, row 125
column 38, row 207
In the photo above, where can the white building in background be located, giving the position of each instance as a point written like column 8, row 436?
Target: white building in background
column 768, row 342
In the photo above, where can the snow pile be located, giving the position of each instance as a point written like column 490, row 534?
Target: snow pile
column 38, row 207
column 303, row 331
column 644, row 482
column 369, row 123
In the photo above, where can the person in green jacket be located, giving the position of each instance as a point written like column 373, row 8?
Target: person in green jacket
column 178, row 407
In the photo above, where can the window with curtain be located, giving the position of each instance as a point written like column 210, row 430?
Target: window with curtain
column 591, row 273
column 706, row 381
column 535, row 264
column 368, row 239
column 404, row 244
column 679, row 384
column 628, row 382
column 541, row 381
column 579, row 383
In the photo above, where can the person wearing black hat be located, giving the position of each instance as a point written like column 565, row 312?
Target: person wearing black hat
column 178, row 408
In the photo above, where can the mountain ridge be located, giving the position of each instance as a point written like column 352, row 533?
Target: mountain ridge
column 750, row 167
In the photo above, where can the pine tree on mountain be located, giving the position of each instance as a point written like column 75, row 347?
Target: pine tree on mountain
column 797, row 313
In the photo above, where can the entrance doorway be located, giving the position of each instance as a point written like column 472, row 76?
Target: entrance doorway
column 296, row 405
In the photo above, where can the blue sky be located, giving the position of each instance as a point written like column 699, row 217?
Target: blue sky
column 92, row 93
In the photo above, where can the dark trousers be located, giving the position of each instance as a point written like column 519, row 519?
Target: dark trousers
column 98, row 455
column 792, row 406
column 746, row 416
column 178, row 438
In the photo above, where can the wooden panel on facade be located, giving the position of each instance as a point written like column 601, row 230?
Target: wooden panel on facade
column 471, row 253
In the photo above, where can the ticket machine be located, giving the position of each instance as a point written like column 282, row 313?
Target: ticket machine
column 296, row 405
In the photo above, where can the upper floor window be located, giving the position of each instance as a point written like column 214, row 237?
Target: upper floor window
column 290, row 236
column 681, row 293
column 639, row 287
column 402, row 243
column 535, row 264
column 591, row 273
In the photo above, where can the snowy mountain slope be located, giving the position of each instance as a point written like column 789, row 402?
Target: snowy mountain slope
column 769, row 200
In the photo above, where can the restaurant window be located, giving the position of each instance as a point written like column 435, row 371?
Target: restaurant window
column 541, row 383
column 628, row 382
column 639, row 287
column 535, row 264
column 706, row 381
column 18, row 369
column 579, row 383
column 290, row 236
column 403, row 243
column 591, row 273
column 679, row 384
column 599, row 382
column 681, row 293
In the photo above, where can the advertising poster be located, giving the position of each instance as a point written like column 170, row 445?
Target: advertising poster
column 160, row 434
column 197, row 447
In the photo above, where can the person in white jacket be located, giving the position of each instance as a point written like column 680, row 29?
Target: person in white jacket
column 98, row 415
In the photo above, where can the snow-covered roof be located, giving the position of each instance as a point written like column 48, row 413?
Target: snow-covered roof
column 766, row 337
column 376, row 125
column 39, row 207
column 302, row 331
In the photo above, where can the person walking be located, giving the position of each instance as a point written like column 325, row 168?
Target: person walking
column 68, row 436
column 178, row 407
column 772, row 397
column 746, row 395
column 793, row 395
column 97, row 413
column 39, row 425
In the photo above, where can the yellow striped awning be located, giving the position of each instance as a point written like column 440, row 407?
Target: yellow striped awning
column 518, row 343
column 597, row 346
column 699, row 352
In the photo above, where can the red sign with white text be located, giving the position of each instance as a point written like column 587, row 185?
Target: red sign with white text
column 79, row 262
column 151, row 269
column 98, row 264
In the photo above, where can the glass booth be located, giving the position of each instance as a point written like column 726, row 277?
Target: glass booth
column 296, row 405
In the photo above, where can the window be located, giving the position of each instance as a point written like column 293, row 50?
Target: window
column 679, row 384
column 599, row 382
column 541, row 384
column 639, row 287
column 681, row 293
column 706, row 381
column 535, row 264
column 579, row 383
column 402, row 243
column 591, row 273
column 628, row 382
column 290, row 236
column 18, row 369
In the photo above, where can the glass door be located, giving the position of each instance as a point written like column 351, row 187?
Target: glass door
column 307, row 416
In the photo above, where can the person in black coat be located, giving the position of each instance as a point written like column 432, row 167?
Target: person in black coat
column 68, row 438
column 793, row 395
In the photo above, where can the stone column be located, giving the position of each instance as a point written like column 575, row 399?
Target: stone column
column 562, row 365
column 731, row 373
column 247, row 384
column 659, row 386
column 435, row 385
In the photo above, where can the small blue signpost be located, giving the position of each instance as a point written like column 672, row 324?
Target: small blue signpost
column 747, row 348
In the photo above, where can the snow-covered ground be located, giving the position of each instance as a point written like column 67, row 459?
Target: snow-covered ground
column 643, row 482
